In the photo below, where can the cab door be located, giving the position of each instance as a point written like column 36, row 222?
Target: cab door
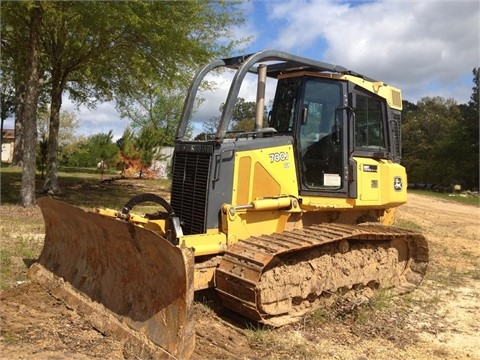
column 322, row 144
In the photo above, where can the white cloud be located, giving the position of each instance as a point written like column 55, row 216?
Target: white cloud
column 103, row 118
column 246, row 31
column 413, row 45
column 214, row 99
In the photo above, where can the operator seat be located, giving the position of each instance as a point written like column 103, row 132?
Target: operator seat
column 322, row 157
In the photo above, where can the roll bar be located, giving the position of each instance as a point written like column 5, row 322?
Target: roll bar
column 279, row 63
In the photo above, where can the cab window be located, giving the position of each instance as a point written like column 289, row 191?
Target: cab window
column 369, row 124
column 283, row 114
column 320, row 135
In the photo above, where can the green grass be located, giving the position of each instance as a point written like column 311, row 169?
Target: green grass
column 258, row 333
column 470, row 200
column 83, row 189
column 23, row 248
column 319, row 316
column 474, row 274
column 455, row 278
column 11, row 338
column 381, row 299
column 408, row 224
column 205, row 301
column 5, row 268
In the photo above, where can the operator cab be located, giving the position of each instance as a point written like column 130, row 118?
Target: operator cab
column 316, row 110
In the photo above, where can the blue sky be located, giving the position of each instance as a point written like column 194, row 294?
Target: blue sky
column 424, row 47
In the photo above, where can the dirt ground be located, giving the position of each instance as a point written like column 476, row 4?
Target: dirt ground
column 439, row 320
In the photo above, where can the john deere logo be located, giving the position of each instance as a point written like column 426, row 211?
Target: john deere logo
column 397, row 183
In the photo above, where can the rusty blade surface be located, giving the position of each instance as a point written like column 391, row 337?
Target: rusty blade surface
column 143, row 283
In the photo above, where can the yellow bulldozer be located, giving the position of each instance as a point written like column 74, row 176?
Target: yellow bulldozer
column 275, row 219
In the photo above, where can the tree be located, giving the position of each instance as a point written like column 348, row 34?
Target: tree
column 441, row 140
column 243, row 117
column 146, row 145
column 70, row 50
column 88, row 152
column 75, row 153
column 27, row 192
column 408, row 108
column 15, row 30
column 463, row 145
column 42, row 153
column 68, row 123
column 424, row 132
column 90, row 47
column 128, row 153
column 7, row 98
column 209, row 127
column 102, row 148
column 161, row 41
column 155, row 109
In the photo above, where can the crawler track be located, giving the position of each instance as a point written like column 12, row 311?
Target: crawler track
column 278, row 278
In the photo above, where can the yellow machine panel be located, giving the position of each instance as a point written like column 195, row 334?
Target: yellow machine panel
column 264, row 173
column 380, row 182
column 391, row 94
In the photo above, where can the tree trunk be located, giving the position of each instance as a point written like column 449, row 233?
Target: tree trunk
column 20, row 94
column 27, row 191
column 1, row 134
column 51, row 182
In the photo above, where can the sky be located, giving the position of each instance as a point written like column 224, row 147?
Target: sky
column 423, row 47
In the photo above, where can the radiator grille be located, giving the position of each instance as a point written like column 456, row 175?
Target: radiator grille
column 190, row 190
column 396, row 137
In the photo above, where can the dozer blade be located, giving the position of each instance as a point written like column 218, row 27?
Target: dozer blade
column 127, row 281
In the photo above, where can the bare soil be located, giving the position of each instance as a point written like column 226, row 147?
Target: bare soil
column 439, row 320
